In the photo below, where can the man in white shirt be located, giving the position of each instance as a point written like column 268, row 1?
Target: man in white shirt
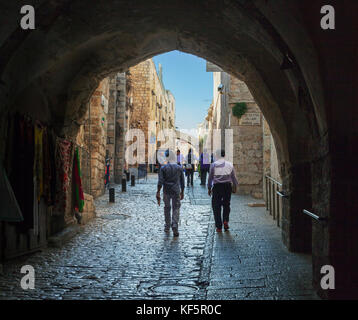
column 222, row 182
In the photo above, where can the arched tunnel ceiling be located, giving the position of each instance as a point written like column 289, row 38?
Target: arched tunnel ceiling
column 76, row 44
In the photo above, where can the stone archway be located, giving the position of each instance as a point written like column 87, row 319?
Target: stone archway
column 51, row 72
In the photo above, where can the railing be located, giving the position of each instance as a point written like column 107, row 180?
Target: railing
column 314, row 216
column 273, row 198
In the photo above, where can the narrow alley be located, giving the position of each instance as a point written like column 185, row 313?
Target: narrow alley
column 124, row 254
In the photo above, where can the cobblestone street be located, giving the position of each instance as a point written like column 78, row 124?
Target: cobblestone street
column 124, row 254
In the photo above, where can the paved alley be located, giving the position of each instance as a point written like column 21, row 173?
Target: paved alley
column 124, row 254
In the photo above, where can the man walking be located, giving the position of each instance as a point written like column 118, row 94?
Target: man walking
column 179, row 158
column 204, row 167
column 189, row 168
column 171, row 177
column 222, row 181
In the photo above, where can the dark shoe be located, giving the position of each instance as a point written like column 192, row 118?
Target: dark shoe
column 175, row 233
column 219, row 230
column 166, row 230
column 226, row 225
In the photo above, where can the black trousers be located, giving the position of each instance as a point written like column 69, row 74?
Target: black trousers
column 190, row 176
column 221, row 196
column 203, row 173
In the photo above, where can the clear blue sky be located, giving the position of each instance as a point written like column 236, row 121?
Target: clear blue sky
column 186, row 77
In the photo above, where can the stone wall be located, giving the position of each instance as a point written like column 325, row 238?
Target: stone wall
column 140, row 98
column 247, row 140
column 254, row 153
column 266, row 144
column 275, row 173
column 116, row 127
column 121, row 127
column 152, row 107
column 88, row 210
column 95, row 136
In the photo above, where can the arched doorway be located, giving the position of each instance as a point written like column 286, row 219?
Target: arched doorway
column 50, row 73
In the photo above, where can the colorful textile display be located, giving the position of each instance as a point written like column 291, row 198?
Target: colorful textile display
column 77, row 183
column 107, row 173
column 49, row 169
column 38, row 161
column 63, row 158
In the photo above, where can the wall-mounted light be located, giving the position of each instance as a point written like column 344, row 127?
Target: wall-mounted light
column 221, row 88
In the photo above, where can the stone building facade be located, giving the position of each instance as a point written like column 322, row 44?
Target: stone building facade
column 151, row 106
column 117, row 125
column 102, row 136
column 247, row 140
column 95, row 131
column 253, row 151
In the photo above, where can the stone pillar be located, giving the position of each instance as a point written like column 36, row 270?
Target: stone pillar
column 95, row 132
column 266, row 145
column 120, row 127
column 111, row 124
column 335, row 242
column 296, row 226
column 247, row 140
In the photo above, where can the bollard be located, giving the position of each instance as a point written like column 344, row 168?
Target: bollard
column 132, row 180
column 127, row 174
column 124, row 184
column 111, row 195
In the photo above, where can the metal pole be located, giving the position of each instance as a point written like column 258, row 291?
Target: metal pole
column 111, row 195
column 274, row 201
column 266, row 195
column 124, row 184
column 269, row 197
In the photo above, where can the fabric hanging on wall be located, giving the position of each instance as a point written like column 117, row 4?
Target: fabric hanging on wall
column 9, row 148
column 63, row 158
column 9, row 209
column 38, row 172
column 77, row 183
column 36, row 208
column 38, row 162
column 49, row 170
column 52, row 143
column 107, row 173
column 19, row 166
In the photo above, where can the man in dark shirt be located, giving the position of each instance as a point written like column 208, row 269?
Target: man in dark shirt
column 204, row 166
column 171, row 178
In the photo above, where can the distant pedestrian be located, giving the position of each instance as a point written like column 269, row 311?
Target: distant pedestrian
column 222, row 182
column 189, row 168
column 171, row 178
column 107, row 173
column 204, row 166
column 179, row 158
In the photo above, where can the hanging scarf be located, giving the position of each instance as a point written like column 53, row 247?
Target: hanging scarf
column 63, row 156
column 77, row 183
column 38, row 163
